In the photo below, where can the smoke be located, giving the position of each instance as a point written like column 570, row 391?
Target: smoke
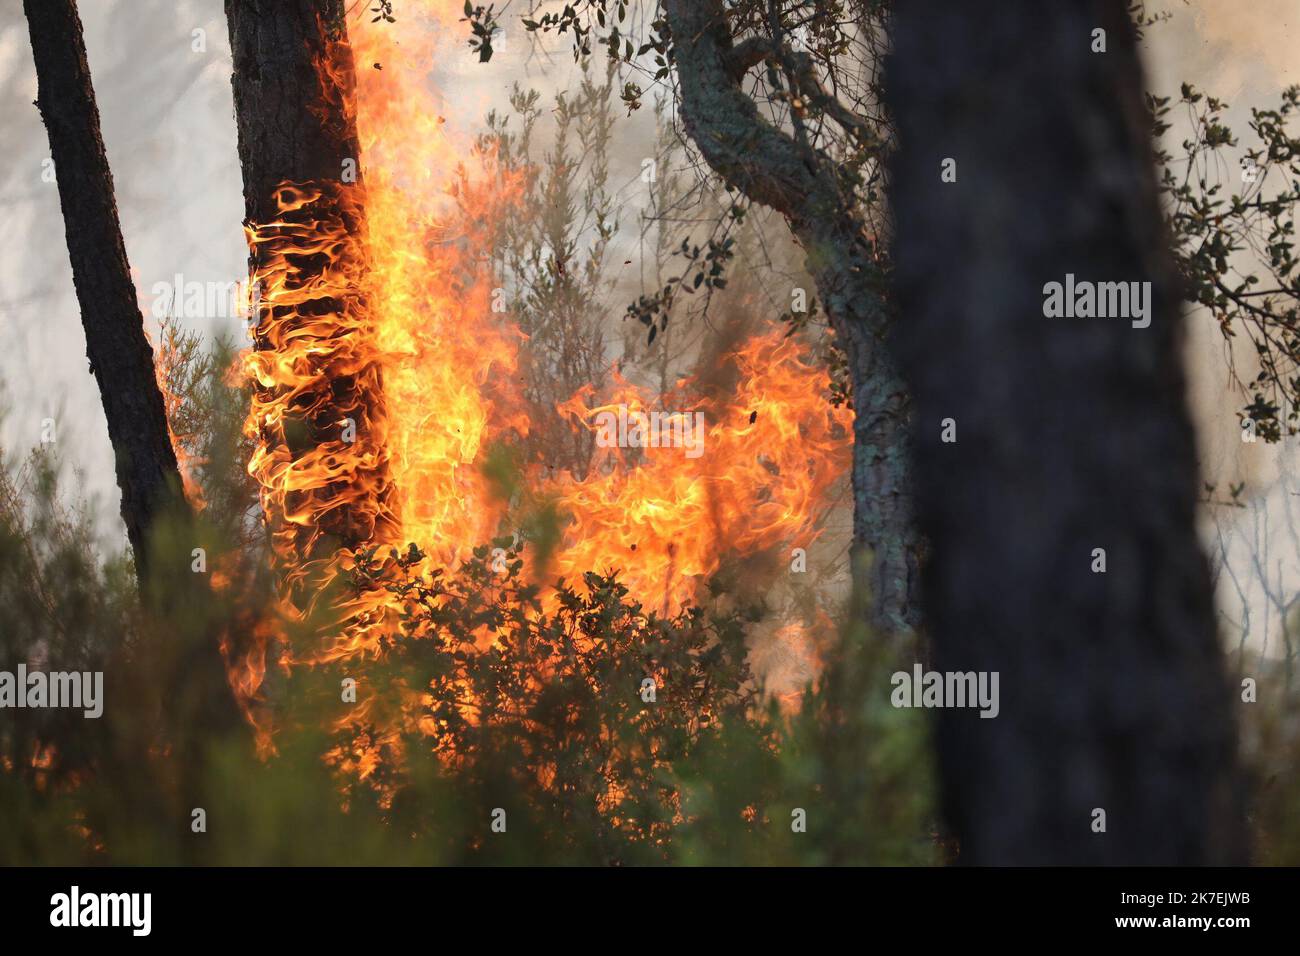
column 1246, row 54
column 1248, row 44
column 161, row 71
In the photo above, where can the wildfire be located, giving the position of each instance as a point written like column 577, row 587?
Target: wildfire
column 770, row 453
column 383, row 372
column 318, row 410
column 449, row 359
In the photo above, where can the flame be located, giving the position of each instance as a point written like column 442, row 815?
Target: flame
column 769, row 457
column 383, row 371
column 373, row 361
column 449, row 360
column 321, row 458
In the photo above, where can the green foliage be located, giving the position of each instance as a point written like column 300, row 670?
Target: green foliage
column 482, row 24
column 543, row 713
column 61, row 603
column 558, row 696
column 1234, row 239
column 206, row 414
column 1271, row 748
column 552, row 251
column 705, row 268
column 487, row 691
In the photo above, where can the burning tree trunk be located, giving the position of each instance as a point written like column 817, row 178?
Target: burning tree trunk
column 321, row 458
column 119, row 352
column 1061, row 519
column 295, row 123
column 775, row 169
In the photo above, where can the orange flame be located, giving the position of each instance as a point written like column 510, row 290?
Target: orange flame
column 760, row 478
column 383, row 370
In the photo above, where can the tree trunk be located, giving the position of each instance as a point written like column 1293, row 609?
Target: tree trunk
column 770, row 167
column 1072, row 436
column 121, row 358
column 294, row 124
column 195, row 699
column 295, row 111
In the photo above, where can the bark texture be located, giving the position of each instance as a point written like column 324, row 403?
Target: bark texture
column 121, row 358
column 1072, row 435
column 773, row 168
column 292, row 126
column 294, row 91
column 196, row 705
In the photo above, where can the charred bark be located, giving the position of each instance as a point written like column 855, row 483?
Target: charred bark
column 294, row 92
column 294, row 125
column 121, row 358
column 773, row 168
column 1072, row 435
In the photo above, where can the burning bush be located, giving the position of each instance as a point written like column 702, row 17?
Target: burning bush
column 513, row 729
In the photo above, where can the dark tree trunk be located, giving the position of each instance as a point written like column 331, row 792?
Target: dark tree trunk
column 195, row 700
column 772, row 168
column 292, row 126
column 1072, row 435
column 294, row 90
column 119, row 352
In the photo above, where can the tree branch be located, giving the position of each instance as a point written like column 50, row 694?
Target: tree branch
column 770, row 167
